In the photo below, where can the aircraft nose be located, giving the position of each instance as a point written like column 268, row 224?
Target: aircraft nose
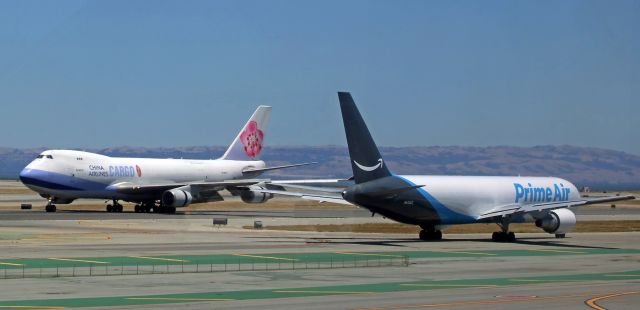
column 25, row 175
column 28, row 176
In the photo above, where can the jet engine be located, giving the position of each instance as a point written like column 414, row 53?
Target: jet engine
column 252, row 196
column 176, row 198
column 558, row 221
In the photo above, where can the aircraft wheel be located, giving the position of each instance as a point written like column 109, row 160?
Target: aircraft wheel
column 171, row 210
column 500, row 236
column 424, row 235
column 109, row 208
column 437, row 235
column 427, row 235
column 50, row 208
column 560, row 236
column 136, row 209
column 120, row 208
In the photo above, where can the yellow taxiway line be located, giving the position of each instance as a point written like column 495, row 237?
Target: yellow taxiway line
column 78, row 260
column 161, row 258
column 268, row 257
column 369, row 254
column 528, row 299
column 592, row 302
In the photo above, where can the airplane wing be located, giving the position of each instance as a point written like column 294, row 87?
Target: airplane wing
column 133, row 188
column 308, row 196
column 517, row 209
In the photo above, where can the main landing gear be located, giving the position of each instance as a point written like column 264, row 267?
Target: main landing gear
column 429, row 233
column 152, row 207
column 116, row 207
column 144, row 207
column 504, row 235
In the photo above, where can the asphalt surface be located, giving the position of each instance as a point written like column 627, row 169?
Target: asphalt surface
column 464, row 271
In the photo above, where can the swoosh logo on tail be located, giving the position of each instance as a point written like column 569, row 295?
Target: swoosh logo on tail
column 374, row 167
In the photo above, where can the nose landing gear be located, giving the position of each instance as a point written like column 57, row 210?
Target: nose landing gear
column 50, row 207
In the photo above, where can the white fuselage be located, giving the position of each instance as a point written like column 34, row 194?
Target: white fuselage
column 462, row 199
column 67, row 174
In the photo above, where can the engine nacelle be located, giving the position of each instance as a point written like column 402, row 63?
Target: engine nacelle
column 176, row 198
column 558, row 221
column 250, row 196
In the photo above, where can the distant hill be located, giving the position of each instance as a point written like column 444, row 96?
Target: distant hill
column 594, row 167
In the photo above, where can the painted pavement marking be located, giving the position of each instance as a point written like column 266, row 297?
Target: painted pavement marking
column 448, row 285
column 592, row 302
column 180, row 299
column 622, row 275
column 460, row 252
column 11, row 264
column 558, row 251
column 480, row 302
column 161, row 258
column 30, row 307
column 370, row 254
column 268, row 257
column 322, row 292
column 78, row 260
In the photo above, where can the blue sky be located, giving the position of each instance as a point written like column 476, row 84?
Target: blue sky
column 83, row 74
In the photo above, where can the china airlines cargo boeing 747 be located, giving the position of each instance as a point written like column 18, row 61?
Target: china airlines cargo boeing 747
column 158, row 185
column 433, row 202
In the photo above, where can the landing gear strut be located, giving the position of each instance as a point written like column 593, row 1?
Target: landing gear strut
column 429, row 233
column 116, row 207
column 504, row 235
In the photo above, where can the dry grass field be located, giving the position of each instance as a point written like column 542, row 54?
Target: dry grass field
column 584, row 226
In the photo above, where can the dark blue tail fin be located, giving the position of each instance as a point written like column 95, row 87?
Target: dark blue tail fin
column 366, row 162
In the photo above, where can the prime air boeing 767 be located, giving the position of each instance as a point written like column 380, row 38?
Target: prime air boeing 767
column 158, row 185
column 433, row 202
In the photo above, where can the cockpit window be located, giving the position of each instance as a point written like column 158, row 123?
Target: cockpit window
column 41, row 156
column 45, row 156
column 49, row 156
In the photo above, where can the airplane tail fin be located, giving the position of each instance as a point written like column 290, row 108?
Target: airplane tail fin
column 366, row 162
column 250, row 140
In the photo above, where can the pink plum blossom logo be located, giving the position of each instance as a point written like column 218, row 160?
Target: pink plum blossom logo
column 252, row 138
